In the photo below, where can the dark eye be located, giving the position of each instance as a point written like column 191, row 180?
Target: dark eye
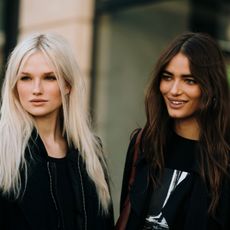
column 50, row 78
column 25, row 78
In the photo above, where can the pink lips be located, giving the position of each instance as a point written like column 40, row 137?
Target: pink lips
column 38, row 101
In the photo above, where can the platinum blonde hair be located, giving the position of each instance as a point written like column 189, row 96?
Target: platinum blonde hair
column 16, row 124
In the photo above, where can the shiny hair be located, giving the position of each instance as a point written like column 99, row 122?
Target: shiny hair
column 16, row 124
column 208, row 68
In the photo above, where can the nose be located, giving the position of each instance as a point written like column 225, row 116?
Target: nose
column 176, row 88
column 37, row 87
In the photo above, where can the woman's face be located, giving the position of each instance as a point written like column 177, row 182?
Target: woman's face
column 179, row 89
column 37, row 87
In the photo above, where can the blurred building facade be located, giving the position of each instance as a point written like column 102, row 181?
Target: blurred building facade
column 116, row 43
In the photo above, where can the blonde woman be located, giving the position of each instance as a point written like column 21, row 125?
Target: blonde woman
column 52, row 168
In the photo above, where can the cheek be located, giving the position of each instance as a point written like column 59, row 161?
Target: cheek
column 196, row 99
column 197, row 94
column 20, row 91
column 163, row 87
column 55, row 94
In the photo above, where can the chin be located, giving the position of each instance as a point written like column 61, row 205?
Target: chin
column 177, row 116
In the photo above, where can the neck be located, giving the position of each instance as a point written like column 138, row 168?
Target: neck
column 51, row 135
column 187, row 128
column 48, row 127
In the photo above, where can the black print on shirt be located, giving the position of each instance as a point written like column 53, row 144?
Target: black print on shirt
column 155, row 219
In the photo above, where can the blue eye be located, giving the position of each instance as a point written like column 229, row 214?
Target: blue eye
column 190, row 81
column 166, row 77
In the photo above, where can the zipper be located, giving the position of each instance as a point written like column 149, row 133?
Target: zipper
column 52, row 194
column 82, row 190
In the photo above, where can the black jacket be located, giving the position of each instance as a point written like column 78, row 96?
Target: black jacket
column 21, row 214
column 193, row 217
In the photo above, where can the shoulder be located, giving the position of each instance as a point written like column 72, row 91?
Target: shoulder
column 128, row 165
column 133, row 138
column 131, row 146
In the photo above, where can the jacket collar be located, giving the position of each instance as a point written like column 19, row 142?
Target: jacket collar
column 37, row 148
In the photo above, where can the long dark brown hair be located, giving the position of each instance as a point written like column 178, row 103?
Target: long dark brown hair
column 207, row 66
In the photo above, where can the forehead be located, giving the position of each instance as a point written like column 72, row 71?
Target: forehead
column 36, row 61
column 179, row 64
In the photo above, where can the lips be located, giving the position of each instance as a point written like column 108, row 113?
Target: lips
column 175, row 103
column 38, row 100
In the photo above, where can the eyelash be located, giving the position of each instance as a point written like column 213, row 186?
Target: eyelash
column 191, row 81
column 25, row 78
column 166, row 77
column 50, row 78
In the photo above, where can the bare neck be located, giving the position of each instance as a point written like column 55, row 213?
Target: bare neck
column 187, row 129
column 51, row 135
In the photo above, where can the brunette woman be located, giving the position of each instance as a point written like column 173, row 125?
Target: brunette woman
column 182, row 172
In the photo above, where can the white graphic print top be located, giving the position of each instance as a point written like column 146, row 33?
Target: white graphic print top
column 155, row 219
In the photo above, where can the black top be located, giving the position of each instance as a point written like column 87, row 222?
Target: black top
column 187, row 206
column 58, row 195
column 180, row 160
column 64, row 193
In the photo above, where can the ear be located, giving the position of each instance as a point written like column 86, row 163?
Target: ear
column 67, row 89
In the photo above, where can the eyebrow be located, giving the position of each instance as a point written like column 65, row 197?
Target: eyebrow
column 45, row 74
column 171, row 74
column 23, row 73
column 49, row 73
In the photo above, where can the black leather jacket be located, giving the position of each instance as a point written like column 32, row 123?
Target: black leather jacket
column 22, row 214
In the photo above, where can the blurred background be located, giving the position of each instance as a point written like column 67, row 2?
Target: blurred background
column 116, row 43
